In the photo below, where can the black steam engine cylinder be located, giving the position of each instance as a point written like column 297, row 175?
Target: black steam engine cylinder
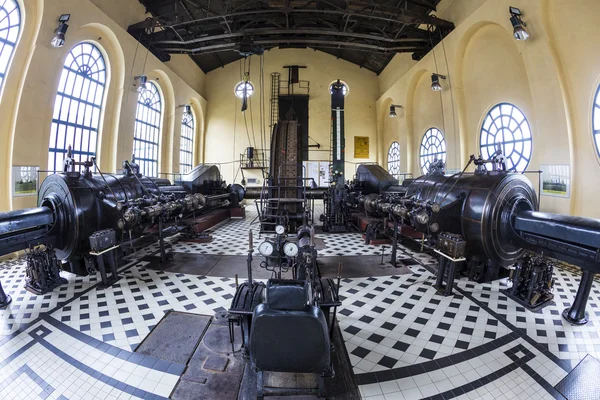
column 480, row 207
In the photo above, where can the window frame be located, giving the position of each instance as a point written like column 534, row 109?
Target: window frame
column 185, row 151
column 345, row 90
column 238, row 85
column 394, row 146
column 596, row 118
column 85, row 126
column 424, row 165
column 500, row 129
column 148, row 166
column 6, row 42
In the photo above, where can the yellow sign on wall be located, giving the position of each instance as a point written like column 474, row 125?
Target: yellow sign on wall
column 361, row 147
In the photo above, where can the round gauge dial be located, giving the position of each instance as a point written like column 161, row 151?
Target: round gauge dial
column 280, row 229
column 290, row 249
column 265, row 248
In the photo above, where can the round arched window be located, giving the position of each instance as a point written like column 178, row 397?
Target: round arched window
column 506, row 128
column 345, row 88
column 596, row 121
column 394, row 160
column 433, row 147
column 244, row 86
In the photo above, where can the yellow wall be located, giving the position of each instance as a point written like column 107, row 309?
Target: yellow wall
column 322, row 69
column 27, row 99
column 552, row 78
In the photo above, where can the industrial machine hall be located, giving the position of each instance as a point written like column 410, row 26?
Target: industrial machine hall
column 299, row 199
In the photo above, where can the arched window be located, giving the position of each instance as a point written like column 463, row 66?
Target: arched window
column 596, row 121
column 394, row 160
column 506, row 127
column 433, row 147
column 10, row 26
column 187, row 142
column 345, row 88
column 77, row 106
column 147, row 130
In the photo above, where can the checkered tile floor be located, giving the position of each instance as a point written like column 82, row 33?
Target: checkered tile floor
column 404, row 340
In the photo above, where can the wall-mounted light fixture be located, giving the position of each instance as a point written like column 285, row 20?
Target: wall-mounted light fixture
column 187, row 109
column 393, row 110
column 142, row 85
column 59, row 33
column 435, row 82
column 520, row 33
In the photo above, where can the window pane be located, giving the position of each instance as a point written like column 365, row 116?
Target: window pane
column 596, row 121
column 10, row 26
column 394, row 160
column 147, row 130
column 510, row 130
column 187, row 143
column 75, row 120
column 433, row 147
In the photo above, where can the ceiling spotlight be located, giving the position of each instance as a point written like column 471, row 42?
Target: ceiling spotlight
column 435, row 82
column 393, row 110
column 520, row 33
column 143, row 79
column 59, row 33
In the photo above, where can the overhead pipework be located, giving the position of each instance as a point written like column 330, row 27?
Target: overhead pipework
column 366, row 33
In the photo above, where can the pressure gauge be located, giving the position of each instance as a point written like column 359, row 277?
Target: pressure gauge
column 290, row 249
column 280, row 229
column 265, row 248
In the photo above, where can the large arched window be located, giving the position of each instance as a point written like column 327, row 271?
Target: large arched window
column 506, row 127
column 394, row 160
column 10, row 26
column 78, row 105
column 596, row 121
column 187, row 142
column 147, row 130
column 433, row 147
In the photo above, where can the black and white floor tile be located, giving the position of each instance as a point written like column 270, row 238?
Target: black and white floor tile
column 404, row 340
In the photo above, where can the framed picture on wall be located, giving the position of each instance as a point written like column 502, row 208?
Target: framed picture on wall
column 25, row 180
column 361, row 147
column 556, row 180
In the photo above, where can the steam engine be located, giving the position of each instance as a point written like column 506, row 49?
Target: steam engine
column 73, row 205
column 493, row 212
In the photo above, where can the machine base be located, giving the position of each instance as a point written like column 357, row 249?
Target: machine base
column 581, row 321
column 37, row 291
column 526, row 304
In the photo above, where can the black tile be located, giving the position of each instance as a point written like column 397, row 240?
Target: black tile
column 436, row 339
column 389, row 326
column 360, row 352
column 460, row 344
column 412, row 332
column 375, row 338
column 352, row 330
column 466, row 331
column 401, row 346
column 387, row 362
column 421, row 321
column 378, row 309
column 426, row 353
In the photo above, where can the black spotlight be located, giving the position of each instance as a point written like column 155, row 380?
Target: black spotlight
column 59, row 33
column 520, row 33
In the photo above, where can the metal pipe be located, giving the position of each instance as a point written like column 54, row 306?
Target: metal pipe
column 20, row 220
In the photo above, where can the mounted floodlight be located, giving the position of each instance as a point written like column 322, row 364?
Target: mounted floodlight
column 435, row 82
column 187, row 109
column 393, row 110
column 520, row 33
column 143, row 85
column 59, row 33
